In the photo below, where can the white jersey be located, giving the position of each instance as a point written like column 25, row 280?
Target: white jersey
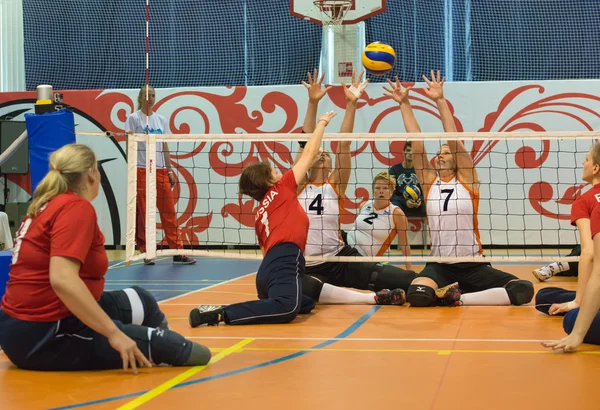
column 157, row 124
column 452, row 219
column 322, row 204
column 374, row 229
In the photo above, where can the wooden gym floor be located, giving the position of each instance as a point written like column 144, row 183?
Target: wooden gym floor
column 338, row 357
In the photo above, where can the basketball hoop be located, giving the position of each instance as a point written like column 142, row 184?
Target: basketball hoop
column 333, row 11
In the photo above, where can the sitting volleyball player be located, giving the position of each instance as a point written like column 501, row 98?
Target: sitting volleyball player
column 563, row 268
column 322, row 196
column 55, row 314
column 452, row 192
column 557, row 301
column 583, row 324
column 379, row 221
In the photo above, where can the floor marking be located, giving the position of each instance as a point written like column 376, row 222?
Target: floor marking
column 372, row 339
column 146, row 397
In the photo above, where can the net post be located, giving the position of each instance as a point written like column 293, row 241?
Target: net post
column 150, row 196
column 132, row 148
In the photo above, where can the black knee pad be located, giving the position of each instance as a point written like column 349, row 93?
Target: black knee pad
column 421, row 296
column 520, row 292
column 160, row 345
column 390, row 277
column 150, row 314
column 311, row 287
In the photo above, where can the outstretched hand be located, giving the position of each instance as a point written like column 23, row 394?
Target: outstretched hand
column 315, row 93
column 436, row 86
column 327, row 117
column 395, row 91
column 129, row 351
column 566, row 344
column 356, row 89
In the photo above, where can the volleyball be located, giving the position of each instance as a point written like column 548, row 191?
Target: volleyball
column 412, row 192
column 378, row 58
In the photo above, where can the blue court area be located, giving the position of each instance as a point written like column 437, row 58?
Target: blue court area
column 165, row 280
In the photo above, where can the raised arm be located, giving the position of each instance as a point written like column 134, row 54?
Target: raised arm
column 311, row 149
column 315, row 94
column 343, row 160
column 425, row 172
column 401, row 223
column 466, row 168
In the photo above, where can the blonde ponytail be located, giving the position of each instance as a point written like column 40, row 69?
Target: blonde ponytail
column 68, row 166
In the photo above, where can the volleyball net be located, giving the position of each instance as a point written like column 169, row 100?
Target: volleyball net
column 527, row 183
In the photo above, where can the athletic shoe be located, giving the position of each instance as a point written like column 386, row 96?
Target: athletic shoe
column 209, row 315
column 390, row 297
column 149, row 262
column 183, row 260
column 543, row 274
column 449, row 295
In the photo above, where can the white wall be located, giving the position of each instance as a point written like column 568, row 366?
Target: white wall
column 12, row 55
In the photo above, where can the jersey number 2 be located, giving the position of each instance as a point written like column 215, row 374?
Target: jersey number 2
column 369, row 219
column 317, row 205
column 449, row 192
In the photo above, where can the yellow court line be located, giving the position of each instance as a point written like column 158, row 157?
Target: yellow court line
column 183, row 376
column 441, row 352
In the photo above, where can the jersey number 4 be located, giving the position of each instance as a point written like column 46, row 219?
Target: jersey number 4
column 317, row 205
column 449, row 192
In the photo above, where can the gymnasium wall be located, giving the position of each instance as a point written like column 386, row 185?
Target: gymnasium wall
column 535, row 186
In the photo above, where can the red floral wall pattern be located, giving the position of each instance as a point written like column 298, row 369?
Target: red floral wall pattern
column 542, row 176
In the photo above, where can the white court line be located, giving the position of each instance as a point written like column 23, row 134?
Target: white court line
column 182, row 284
column 369, row 339
column 208, row 287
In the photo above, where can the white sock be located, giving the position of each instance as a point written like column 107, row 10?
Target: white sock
column 557, row 267
column 333, row 295
column 489, row 297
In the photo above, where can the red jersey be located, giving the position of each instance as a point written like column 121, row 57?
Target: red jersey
column 585, row 204
column 279, row 217
column 66, row 226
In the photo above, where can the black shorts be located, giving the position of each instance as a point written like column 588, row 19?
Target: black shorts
column 361, row 275
column 471, row 276
column 67, row 344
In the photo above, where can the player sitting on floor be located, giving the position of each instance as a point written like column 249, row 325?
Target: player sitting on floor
column 451, row 189
column 557, row 301
column 379, row 221
column 55, row 315
column 321, row 196
column 570, row 269
column 583, row 325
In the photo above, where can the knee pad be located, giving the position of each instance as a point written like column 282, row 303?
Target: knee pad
column 520, row 292
column 165, row 346
column 421, row 296
column 311, row 287
column 390, row 277
column 144, row 309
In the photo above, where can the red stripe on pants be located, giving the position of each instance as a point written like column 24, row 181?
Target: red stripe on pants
column 165, row 202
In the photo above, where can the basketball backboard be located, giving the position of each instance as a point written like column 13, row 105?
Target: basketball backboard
column 358, row 11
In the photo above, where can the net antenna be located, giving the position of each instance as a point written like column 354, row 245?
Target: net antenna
column 333, row 12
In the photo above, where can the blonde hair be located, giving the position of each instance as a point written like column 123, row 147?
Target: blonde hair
column 385, row 176
column 142, row 96
column 68, row 166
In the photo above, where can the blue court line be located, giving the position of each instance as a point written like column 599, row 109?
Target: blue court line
column 347, row 332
